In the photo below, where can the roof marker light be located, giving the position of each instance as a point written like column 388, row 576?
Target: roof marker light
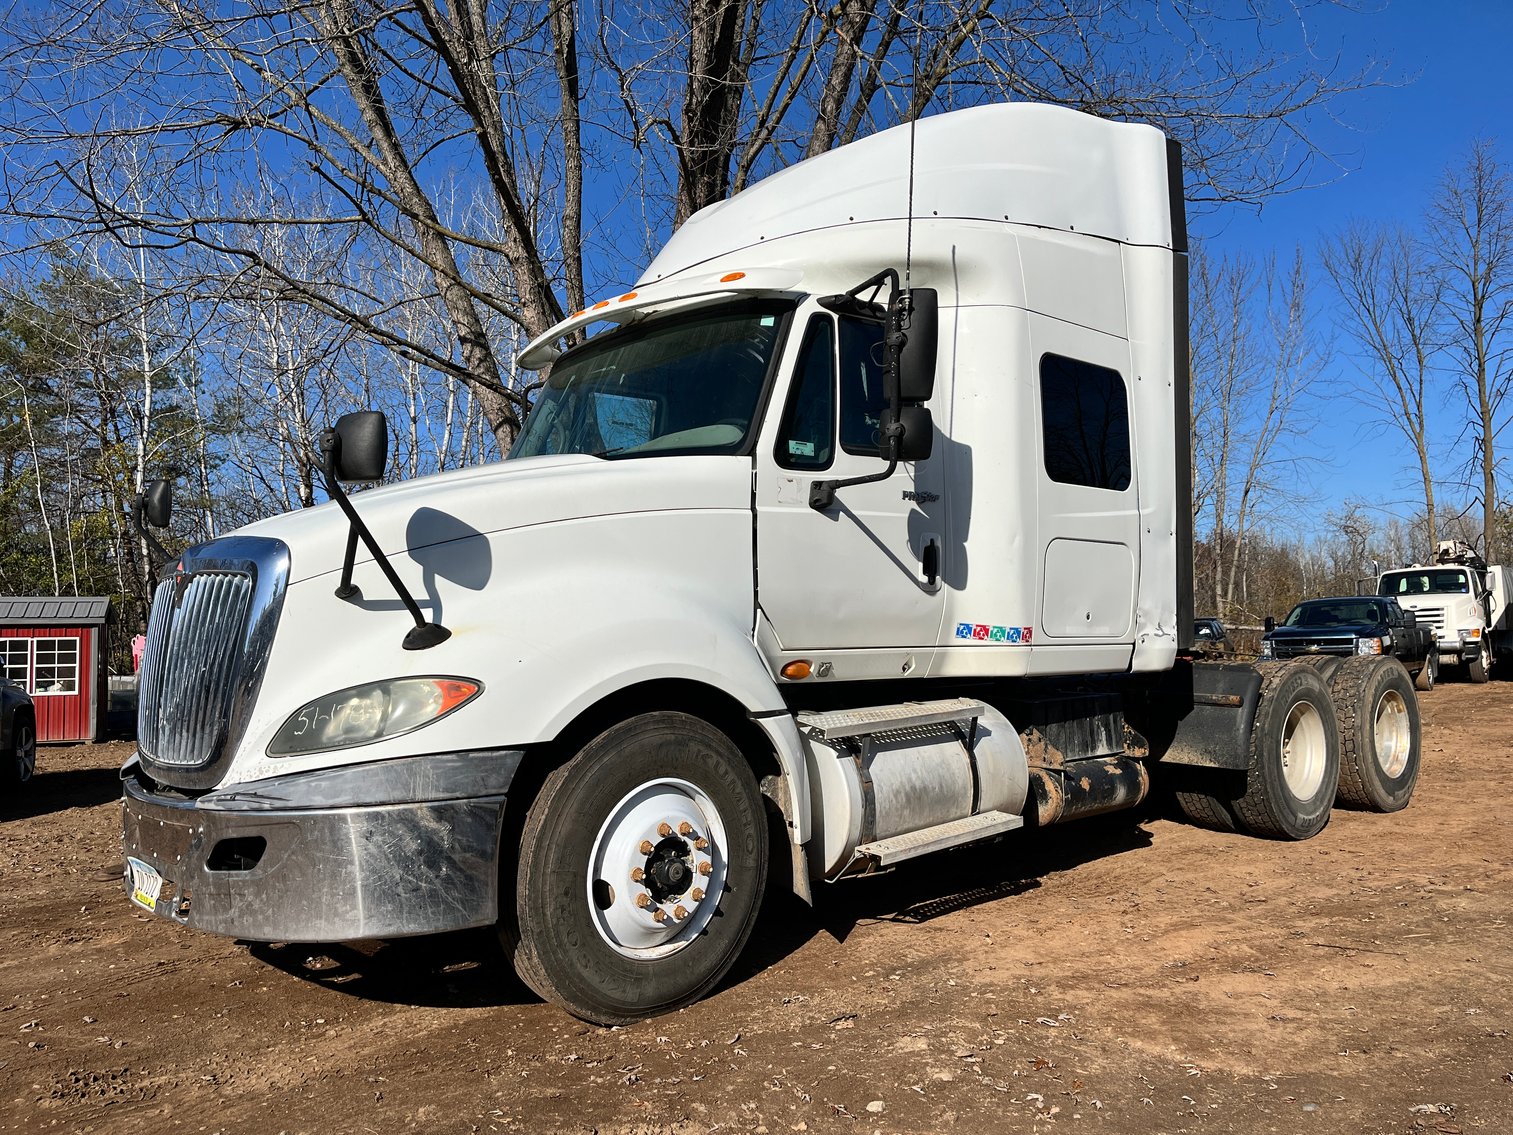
column 628, row 296
column 732, row 277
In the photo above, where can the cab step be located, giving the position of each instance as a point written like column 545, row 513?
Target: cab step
column 896, row 849
column 835, row 724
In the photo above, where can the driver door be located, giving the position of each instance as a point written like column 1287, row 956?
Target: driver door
column 851, row 578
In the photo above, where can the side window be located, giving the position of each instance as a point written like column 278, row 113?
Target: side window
column 862, row 401
column 56, row 668
column 1085, row 424
column 15, row 653
column 806, row 438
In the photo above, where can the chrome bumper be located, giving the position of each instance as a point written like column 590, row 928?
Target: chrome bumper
column 379, row 850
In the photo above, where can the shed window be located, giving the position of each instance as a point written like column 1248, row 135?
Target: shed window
column 1085, row 421
column 42, row 665
column 15, row 658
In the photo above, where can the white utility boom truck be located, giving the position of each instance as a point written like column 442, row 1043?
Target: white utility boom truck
column 859, row 533
column 1462, row 600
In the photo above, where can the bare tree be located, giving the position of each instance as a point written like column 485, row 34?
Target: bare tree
column 1392, row 304
column 364, row 113
column 1471, row 231
column 1253, row 355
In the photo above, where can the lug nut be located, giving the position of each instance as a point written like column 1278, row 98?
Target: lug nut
column 643, row 901
column 706, row 868
column 680, row 912
column 636, row 874
column 646, row 847
column 664, row 829
column 685, row 828
column 700, row 844
column 660, row 915
column 697, row 894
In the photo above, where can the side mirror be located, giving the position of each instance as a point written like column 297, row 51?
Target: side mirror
column 357, row 447
column 919, row 432
column 1270, row 624
column 916, row 362
column 157, row 503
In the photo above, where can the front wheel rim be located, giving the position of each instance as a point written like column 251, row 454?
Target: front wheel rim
column 1304, row 750
column 1392, row 733
column 657, row 869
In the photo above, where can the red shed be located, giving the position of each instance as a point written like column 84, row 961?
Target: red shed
column 56, row 648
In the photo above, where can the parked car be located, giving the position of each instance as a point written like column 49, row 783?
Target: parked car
column 1209, row 634
column 1352, row 624
column 18, row 734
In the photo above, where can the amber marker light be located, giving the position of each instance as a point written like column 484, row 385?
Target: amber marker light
column 797, row 670
column 628, row 296
column 732, row 277
column 601, row 303
column 453, row 693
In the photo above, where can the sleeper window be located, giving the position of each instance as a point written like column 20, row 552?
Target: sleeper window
column 1085, row 424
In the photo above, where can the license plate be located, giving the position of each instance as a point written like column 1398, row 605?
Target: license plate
column 146, row 884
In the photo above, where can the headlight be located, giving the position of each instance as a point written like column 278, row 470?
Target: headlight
column 1267, row 650
column 1368, row 646
column 363, row 714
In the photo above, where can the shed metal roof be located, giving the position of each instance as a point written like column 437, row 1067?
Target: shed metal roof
column 54, row 611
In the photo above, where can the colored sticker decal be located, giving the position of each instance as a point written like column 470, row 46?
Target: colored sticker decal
column 982, row 632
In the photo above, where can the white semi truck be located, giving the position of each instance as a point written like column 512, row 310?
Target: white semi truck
column 859, row 531
column 1463, row 600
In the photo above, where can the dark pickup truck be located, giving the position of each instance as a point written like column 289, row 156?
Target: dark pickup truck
column 1355, row 625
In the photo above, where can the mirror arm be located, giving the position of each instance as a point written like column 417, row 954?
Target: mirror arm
column 822, row 493
column 347, row 589
column 422, row 634
column 152, row 541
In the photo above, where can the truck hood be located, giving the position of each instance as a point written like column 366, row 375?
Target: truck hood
column 1341, row 630
column 432, row 511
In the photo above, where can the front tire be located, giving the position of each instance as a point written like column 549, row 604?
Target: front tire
column 1428, row 672
column 641, row 869
column 21, row 762
column 1379, row 734
column 1477, row 671
column 1294, row 756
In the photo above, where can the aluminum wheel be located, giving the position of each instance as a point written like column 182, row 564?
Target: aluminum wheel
column 1304, row 752
column 656, row 869
column 1394, row 733
column 25, row 751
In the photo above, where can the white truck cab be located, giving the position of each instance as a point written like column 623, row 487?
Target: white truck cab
column 1463, row 599
column 858, row 529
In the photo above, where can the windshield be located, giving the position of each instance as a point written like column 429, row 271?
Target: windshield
column 689, row 384
column 1333, row 613
column 1423, row 581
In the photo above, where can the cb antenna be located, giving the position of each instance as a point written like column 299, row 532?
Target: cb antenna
column 913, row 117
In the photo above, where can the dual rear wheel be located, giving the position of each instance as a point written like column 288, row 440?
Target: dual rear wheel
column 1346, row 732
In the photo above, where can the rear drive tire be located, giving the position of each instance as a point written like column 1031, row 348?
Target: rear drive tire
column 1477, row 671
column 1325, row 664
column 660, row 814
column 1294, row 756
column 1207, row 797
column 1380, row 739
column 1428, row 672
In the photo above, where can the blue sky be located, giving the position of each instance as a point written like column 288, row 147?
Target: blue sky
column 1449, row 85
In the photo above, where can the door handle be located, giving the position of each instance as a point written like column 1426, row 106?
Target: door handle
column 930, row 561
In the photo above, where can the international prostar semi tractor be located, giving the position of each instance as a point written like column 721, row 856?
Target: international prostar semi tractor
column 857, row 531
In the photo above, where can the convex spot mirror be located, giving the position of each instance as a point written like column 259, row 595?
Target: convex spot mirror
column 916, row 361
column 359, row 446
column 157, row 503
column 918, row 437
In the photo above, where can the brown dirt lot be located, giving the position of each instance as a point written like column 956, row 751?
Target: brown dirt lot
column 1124, row 975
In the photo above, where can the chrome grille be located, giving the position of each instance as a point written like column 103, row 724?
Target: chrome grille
column 208, row 640
column 195, row 648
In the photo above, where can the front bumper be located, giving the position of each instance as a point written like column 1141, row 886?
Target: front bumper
column 378, row 850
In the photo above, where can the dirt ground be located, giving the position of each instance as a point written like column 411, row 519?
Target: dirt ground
column 1130, row 974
